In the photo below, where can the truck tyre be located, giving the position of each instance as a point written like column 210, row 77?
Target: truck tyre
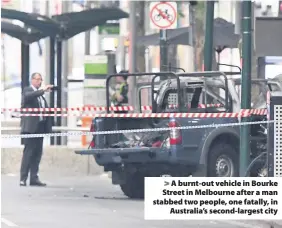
column 134, row 186
column 223, row 161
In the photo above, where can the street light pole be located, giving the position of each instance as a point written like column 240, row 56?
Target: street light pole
column 163, row 51
column 132, row 53
column 208, row 48
column 192, row 37
column 246, row 83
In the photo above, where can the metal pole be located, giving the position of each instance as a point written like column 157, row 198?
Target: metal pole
column 132, row 53
column 122, row 37
column 25, row 64
column 163, row 51
column 261, row 67
column 192, row 37
column 66, row 7
column 59, row 84
column 47, row 54
column 208, row 48
column 52, row 81
column 87, row 33
column 246, row 83
column 238, row 17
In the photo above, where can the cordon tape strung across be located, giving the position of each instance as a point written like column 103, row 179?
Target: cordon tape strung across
column 134, row 130
column 73, row 112
column 243, row 113
column 93, row 108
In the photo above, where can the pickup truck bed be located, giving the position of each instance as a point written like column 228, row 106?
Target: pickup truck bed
column 103, row 141
column 190, row 152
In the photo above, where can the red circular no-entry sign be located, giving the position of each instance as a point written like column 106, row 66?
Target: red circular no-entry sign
column 163, row 15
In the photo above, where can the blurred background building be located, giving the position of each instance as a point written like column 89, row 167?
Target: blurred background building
column 114, row 36
column 108, row 35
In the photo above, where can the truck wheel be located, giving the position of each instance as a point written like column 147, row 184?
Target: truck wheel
column 223, row 161
column 134, row 186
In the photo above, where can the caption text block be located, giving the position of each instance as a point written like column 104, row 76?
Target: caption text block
column 213, row 198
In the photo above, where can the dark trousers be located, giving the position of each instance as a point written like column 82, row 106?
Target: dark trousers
column 32, row 154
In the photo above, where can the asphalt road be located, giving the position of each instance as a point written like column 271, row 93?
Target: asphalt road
column 73, row 202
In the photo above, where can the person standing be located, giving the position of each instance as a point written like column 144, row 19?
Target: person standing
column 32, row 97
column 120, row 96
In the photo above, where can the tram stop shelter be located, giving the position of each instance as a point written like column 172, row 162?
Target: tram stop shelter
column 58, row 28
column 224, row 36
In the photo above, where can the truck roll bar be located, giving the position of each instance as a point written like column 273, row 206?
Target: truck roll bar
column 179, row 100
column 212, row 74
column 230, row 65
column 158, row 74
column 140, row 95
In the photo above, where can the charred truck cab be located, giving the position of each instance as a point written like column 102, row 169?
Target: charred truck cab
column 196, row 149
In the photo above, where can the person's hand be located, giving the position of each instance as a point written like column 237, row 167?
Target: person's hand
column 47, row 88
column 119, row 98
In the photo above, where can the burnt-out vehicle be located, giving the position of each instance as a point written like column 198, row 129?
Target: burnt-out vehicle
column 170, row 144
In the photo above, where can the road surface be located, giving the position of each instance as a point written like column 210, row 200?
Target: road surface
column 73, row 202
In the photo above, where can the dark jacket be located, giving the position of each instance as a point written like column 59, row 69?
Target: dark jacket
column 29, row 124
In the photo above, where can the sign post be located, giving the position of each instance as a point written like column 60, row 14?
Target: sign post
column 163, row 50
column 163, row 16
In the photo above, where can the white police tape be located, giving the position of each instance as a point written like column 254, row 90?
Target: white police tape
column 134, row 130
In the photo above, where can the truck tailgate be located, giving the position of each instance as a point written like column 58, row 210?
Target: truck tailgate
column 118, row 151
column 123, row 155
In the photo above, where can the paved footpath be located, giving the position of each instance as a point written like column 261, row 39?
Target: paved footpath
column 72, row 202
